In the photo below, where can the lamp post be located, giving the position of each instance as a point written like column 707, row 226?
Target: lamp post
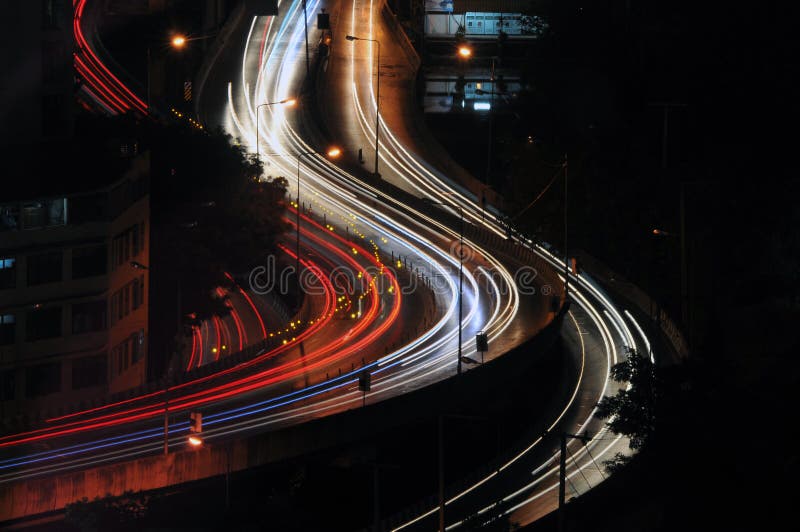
column 305, row 25
column 332, row 152
column 460, row 271
column 491, row 127
column 148, row 79
column 288, row 102
column 139, row 266
column 178, row 41
column 377, row 96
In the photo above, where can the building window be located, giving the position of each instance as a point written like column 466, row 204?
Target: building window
column 50, row 14
column 8, row 272
column 44, row 268
column 89, row 317
column 135, row 295
column 43, row 379
column 127, row 244
column 138, row 346
column 53, row 62
column 8, row 382
column 90, row 208
column 9, row 217
column 89, row 371
column 43, row 323
column 89, row 261
column 52, row 114
column 121, row 355
column 8, row 328
column 33, row 215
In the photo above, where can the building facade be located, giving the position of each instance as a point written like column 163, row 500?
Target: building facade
column 73, row 309
column 481, row 19
column 36, row 88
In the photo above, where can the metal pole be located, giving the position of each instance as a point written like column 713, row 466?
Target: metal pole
column 166, row 415
column 228, row 476
column 376, row 500
column 562, row 476
column 377, row 108
column 258, row 135
column 148, row 78
column 684, row 271
column 297, row 245
column 491, row 123
column 664, row 138
column 440, row 430
column 305, row 24
column 460, row 284
column 566, row 225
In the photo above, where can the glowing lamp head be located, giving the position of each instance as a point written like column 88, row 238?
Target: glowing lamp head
column 195, row 441
column 334, row 152
column 290, row 102
column 464, row 51
column 179, row 41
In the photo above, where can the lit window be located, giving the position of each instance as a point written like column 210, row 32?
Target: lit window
column 7, row 329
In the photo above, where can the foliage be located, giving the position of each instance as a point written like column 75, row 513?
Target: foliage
column 120, row 513
column 632, row 411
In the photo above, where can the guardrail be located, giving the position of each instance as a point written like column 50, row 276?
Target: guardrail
column 638, row 297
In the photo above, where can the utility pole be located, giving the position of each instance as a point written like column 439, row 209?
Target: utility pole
column 377, row 99
column 460, row 283
column 566, row 226
column 491, row 130
column 685, row 318
column 562, row 475
column 148, row 79
column 305, row 25
column 376, row 513
column 440, row 421
column 665, row 131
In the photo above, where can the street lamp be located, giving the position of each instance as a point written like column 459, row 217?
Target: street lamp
column 333, row 152
column 460, row 270
column 288, row 102
column 305, row 25
column 178, row 41
column 377, row 96
column 464, row 51
column 139, row 266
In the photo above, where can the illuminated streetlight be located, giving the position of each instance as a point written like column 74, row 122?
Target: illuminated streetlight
column 195, row 441
column 179, row 40
column 377, row 95
column 464, row 51
column 288, row 102
column 460, row 269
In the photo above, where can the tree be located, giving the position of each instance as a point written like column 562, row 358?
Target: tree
column 213, row 212
column 122, row 513
column 632, row 411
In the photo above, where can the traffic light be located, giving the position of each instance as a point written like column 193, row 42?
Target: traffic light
column 364, row 381
column 323, row 21
column 482, row 342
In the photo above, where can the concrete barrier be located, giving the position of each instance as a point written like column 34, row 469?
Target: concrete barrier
column 400, row 36
column 638, row 297
column 29, row 498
